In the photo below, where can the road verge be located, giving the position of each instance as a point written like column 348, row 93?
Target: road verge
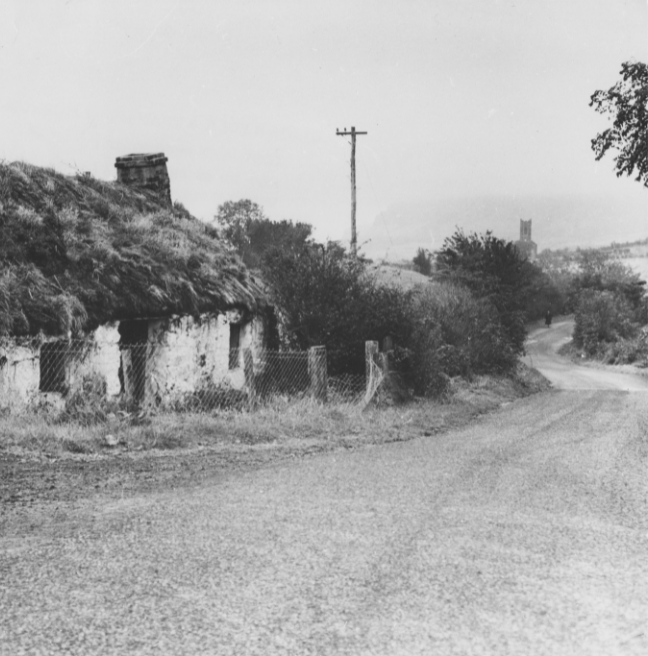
column 41, row 460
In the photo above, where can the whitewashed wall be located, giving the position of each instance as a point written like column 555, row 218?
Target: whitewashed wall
column 19, row 374
column 101, row 359
column 20, row 368
column 184, row 355
column 188, row 355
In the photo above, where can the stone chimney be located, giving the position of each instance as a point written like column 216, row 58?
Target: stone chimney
column 145, row 170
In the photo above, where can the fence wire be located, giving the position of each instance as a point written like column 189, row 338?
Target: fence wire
column 186, row 379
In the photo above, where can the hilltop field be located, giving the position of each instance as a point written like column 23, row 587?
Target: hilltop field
column 634, row 255
column 402, row 273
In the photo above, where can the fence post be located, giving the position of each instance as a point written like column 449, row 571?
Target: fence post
column 318, row 373
column 248, row 368
column 371, row 351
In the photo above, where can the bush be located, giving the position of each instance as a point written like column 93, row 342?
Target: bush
column 628, row 351
column 325, row 297
column 473, row 323
column 454, row 334
column 88, row 404
column 602, row 317
column 545, row 292
column 598, row 271
column 495, row 270
column 423, row 262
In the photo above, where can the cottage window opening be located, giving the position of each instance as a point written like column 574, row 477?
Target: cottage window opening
column 53, row 361
column 234, row 345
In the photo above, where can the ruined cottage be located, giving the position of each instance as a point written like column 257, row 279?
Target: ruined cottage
column 113, row 285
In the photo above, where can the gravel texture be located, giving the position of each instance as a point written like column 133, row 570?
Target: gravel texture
column 523, row 533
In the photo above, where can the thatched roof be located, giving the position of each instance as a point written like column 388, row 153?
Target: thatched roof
column 76, row 252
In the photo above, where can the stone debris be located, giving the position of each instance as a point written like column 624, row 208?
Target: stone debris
column 111, row 440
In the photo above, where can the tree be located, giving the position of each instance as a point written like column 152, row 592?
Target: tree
column 495, row 270
column 253, row 234
column 234, row 219
column 423, row 261
column 326, row 297
column 598, row 272
column 455, row 334
column 627, row 103
column 558, row 269
column 602, row 317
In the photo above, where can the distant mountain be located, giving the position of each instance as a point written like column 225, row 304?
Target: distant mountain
column 558, row 222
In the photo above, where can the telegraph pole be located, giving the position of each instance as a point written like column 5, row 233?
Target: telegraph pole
column 353, row 133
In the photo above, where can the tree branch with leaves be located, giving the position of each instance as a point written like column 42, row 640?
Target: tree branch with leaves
column 627, row 103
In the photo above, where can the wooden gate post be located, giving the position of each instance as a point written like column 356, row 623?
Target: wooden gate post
column 371, row 354
column 250, row 383
column 318, row 373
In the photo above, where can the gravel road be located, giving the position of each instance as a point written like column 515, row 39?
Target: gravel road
column 523, row 533
column 542, row 345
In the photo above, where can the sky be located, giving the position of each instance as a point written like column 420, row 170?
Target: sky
column 460, row 99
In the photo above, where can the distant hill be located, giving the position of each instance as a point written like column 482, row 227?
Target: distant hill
column 632, row 254
column 558, row 222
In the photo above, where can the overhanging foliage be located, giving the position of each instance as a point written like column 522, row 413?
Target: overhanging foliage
column 627, row 103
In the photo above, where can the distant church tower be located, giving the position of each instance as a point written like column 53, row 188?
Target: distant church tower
column 526, row 245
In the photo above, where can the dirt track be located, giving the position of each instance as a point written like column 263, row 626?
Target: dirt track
column 542, row 346
column 524, row 533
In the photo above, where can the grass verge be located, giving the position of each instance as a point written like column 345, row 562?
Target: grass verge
column 285, row 424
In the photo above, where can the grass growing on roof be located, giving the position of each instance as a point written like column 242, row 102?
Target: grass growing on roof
column 76, row 252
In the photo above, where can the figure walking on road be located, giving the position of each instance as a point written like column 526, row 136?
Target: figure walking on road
column 548, row 318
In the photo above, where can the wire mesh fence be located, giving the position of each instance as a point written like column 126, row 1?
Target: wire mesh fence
column 148, row 375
